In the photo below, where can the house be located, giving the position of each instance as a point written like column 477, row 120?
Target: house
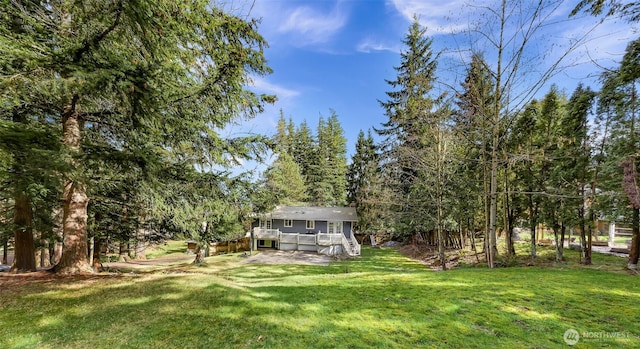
column 326, row 230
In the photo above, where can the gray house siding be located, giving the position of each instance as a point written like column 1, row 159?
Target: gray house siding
column 298, row 226
column 295, row 247
column 320, row 226
column 346, row 227
column 301, row 227
column 274, row 233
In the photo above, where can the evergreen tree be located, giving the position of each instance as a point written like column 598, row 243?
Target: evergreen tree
column 362, row 162
column 548, row 127
column 406, row 108
column 318, row 186
column 283, row 137
column 364, row 186
column 332, row 145
column 433, row 160
column 291, row 132
column 284, row 181
column 506, row 32
column 303, row 151
column 630, row 10
column 143, row 72
column 472, row 129
column 527, row 171
column 618, row 99
column 578, row 160
column 32, row 184
column 321, row 159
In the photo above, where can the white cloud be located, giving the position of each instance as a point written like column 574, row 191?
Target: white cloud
column 266, row 122
column 308, row 25
column 606, row 44
column 265, row 86
column 435, row 15
column 368, row 45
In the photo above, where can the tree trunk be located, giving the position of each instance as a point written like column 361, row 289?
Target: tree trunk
column 141, row 246
column 56, row 253
column 473, row 244
column 123, row 251
column 492, row 246
column 91, row 247
column 509, row 218
column 200, row 254
column 533, row 222
column 24, row 259
column 75, row 201
column 74, row 250
column 95, row 263
column 45, row 258
column 441, row 249
column 52, row 253
column 583, row 237
column 587, row 251
column 634, row 250
column 5, row 250
column 560, row 247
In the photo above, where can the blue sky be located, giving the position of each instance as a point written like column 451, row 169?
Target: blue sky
column 336, row 54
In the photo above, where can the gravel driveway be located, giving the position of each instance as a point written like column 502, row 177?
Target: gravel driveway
column 288, row 257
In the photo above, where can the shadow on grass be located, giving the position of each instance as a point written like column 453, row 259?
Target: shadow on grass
column 382, row 300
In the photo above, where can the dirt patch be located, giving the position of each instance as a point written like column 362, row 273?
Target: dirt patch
column 288, row 257
column 428, row 255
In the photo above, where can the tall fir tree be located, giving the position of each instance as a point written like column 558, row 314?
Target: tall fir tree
column 405, row 109
column 283, row 137
column 471, row 124
column 143, row 72
column 333, row 145
column 284, row 180
column 618, row 99
column 578, row 165
column 364, row 185
column 362, row 162
column 551, row 115
column 319, row 188
column 526, row 168
column 303, row 149
column 321, row 158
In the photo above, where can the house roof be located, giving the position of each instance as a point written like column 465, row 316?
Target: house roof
column 309, row 213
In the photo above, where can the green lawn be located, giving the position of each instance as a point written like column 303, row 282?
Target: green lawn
column 171, row 247
column 381, row 300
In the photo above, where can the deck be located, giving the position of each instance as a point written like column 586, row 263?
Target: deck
column 324, row 243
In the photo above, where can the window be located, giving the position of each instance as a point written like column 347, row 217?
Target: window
column 334, row 228
column 288, row 223
column 265, row 243
column 311, row 224
column 265, row 223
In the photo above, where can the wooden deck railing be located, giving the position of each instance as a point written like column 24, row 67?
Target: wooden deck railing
column 349, row 245
column 268, row 234
column 325, row 239
column 356, row 245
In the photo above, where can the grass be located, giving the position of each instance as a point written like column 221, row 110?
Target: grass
column 171, row 247
column 381, row 299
